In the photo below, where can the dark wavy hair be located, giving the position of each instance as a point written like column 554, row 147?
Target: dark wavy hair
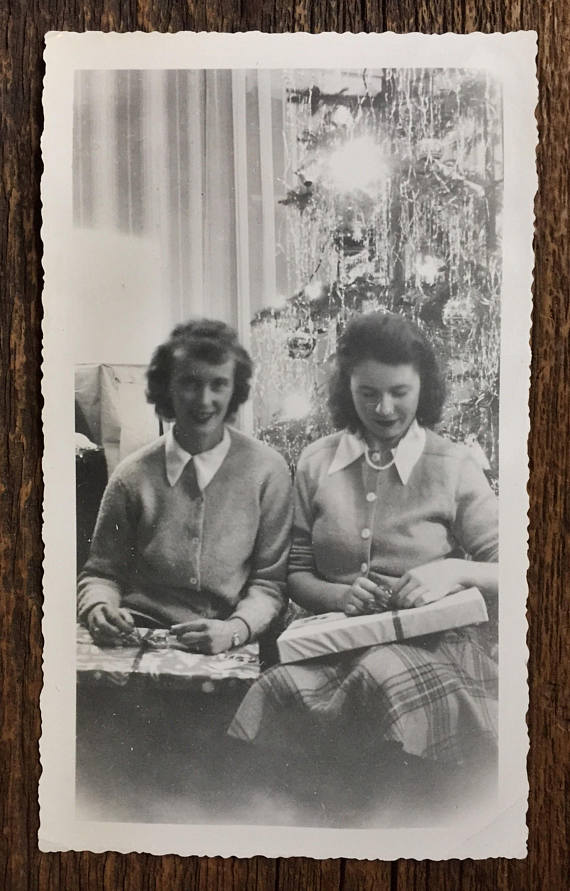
column 206, row 339
column 393, row 340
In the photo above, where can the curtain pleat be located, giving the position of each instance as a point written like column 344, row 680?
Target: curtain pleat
column 194, row 283
column 243, row 292
column 266, row 163
column 220, row 268
column 243, row 295
column 157, row 191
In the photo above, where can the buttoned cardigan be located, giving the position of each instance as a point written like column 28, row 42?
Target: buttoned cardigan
column 355, row 520
column 175, row 554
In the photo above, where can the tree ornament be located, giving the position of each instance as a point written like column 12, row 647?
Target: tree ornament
column 459, row 312
column 300, row 197
column 301, row 343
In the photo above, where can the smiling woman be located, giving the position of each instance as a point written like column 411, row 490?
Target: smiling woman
column 200, row 394
column 167, row 551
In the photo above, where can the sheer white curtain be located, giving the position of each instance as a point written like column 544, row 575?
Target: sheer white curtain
column 190, row 158
column 188, row 164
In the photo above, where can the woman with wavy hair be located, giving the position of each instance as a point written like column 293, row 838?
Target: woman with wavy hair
column 388, row 515
column 193, row 530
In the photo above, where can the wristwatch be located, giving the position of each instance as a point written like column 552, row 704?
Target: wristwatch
column 236, row 640
column 239, row 638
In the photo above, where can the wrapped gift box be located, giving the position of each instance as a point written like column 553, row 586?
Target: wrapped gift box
column 334, row 632
column 150, row 659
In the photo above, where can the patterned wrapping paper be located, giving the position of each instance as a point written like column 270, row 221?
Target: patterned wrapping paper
column 169, row 665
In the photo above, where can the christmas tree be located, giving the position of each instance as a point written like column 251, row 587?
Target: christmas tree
column 394, row 203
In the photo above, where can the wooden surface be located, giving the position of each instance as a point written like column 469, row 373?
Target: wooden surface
column 23, row 25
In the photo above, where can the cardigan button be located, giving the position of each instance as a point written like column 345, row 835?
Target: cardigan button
column 364, row 567
column 371, row 496
column 193, row 581
column 365, row 533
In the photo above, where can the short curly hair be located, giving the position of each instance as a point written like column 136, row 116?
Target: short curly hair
column 207, row 339
column 393, row 340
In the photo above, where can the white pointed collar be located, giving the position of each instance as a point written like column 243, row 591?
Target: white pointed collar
column 206, row 464
column 406, row 454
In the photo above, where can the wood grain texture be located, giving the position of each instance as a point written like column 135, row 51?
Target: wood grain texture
column 23, row 25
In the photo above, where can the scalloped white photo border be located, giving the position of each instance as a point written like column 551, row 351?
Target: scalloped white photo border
column 499, row 829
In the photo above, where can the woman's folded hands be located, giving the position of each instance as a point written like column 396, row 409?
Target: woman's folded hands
column 364, row 596
column 109, row 624
column 206, row 636
column 428, row 583
column 417, row 587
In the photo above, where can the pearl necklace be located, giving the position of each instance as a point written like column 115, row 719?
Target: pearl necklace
column 371, row 463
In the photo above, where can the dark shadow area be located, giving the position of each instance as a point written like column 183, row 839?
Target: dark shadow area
column 163, row 756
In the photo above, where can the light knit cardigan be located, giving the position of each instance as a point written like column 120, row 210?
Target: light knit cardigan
column 174, row 554
column 356, row 520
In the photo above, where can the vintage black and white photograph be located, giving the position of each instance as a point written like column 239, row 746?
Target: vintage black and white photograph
column 286, row 376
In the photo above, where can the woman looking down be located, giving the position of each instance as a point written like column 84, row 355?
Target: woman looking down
column 387, row 515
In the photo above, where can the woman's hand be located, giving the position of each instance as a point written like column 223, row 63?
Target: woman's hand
column 108, row 624
column 428, row 583
column 209, row 636
column 363, row 597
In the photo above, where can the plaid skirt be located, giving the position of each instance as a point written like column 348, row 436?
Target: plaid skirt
column 435, row 696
